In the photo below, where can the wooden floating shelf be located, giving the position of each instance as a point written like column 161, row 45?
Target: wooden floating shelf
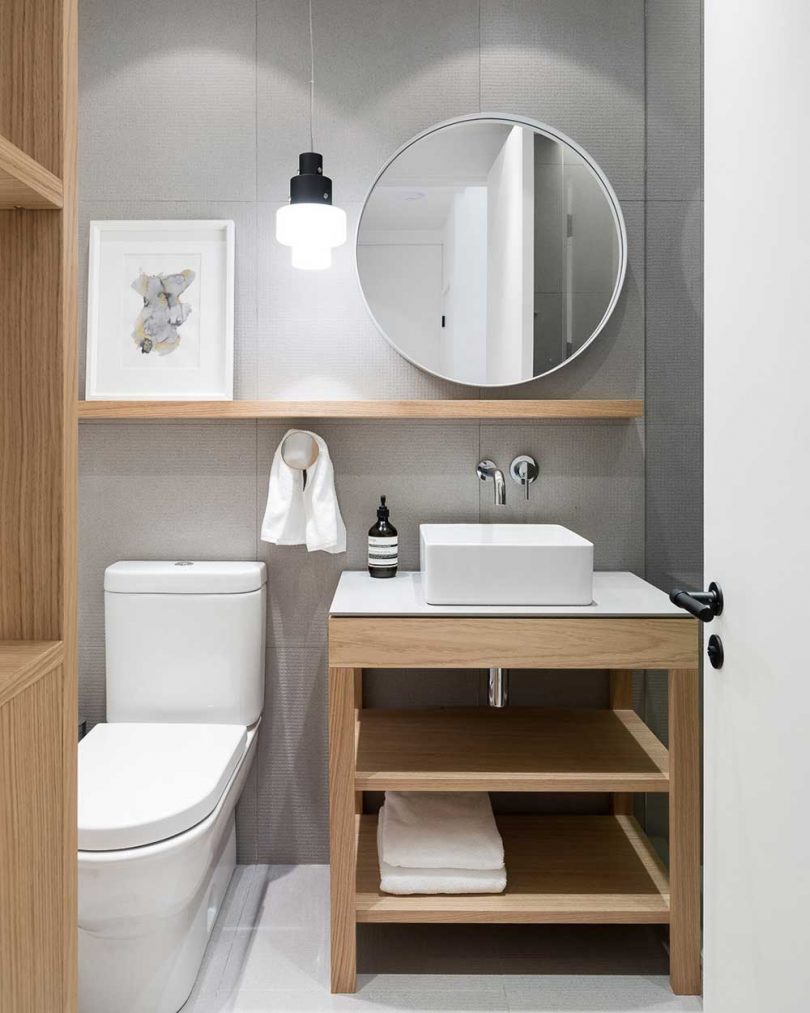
column 24, row 183
column 416, row 410
column 23, row 662
column 559, row 869
column 517, row 749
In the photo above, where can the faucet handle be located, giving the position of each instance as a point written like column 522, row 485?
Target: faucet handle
column 524, row 471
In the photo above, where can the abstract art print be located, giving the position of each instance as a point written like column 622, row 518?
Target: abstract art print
column 160, row 310
column 157, row 328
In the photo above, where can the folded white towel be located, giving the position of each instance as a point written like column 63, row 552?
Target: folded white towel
column 436, row 830
column 397, row 880
column 298, row 516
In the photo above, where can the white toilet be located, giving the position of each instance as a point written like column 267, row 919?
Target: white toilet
column 158, row 783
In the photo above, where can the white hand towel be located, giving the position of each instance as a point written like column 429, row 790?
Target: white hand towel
column 298, row 516
column 435, row 830
column 397, row 880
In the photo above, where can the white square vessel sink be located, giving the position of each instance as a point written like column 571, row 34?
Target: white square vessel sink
column 505, row 564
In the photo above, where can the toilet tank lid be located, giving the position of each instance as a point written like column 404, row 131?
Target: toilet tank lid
column 184, row 576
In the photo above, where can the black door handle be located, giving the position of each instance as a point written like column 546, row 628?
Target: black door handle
column 704, row 605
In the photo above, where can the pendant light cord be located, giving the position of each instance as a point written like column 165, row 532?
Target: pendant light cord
column 479, row 56
column 311, row 82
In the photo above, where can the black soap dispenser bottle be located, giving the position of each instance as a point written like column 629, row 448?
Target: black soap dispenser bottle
column 383, row 545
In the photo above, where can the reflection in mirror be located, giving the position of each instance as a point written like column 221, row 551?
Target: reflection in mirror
column 490, row 251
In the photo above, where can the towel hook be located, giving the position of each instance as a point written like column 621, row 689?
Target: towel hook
column 299, row 450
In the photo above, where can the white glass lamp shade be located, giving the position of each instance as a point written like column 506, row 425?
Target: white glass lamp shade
column 311, row 258
column 312, row 230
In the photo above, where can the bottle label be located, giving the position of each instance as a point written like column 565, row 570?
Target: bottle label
column 383, row 551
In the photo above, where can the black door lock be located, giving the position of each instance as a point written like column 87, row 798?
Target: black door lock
column 704, row 605
column 715, row 651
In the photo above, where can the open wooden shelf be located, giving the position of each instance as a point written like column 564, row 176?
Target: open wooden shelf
column 472, row 409
column 22, row 662
column 559, row 869
column 24, row 183
column 516, row 749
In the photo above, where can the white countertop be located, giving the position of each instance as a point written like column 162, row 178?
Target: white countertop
column 616, row 595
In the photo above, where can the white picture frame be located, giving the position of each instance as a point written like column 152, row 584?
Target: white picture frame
column 160, row 308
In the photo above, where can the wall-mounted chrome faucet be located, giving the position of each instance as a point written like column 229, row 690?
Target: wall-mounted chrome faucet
column 488, row 469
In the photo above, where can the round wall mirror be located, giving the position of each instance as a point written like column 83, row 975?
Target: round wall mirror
column 491, row 250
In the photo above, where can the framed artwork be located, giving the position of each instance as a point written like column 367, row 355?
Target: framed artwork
column 160, row 311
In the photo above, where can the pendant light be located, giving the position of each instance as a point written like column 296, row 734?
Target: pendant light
column 310, row 223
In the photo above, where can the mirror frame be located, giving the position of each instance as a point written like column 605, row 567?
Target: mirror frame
column 556, row 135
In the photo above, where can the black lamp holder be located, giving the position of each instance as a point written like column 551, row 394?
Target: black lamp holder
column 310, row 186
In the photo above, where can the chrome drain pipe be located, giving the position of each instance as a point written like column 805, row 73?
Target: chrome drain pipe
column 498, row 687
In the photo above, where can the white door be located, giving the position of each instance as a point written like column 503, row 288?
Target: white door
column 757, row 514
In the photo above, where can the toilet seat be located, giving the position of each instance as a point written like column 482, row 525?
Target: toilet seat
column 142, row 783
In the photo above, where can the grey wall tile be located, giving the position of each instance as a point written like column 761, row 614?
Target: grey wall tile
column 292, row 800
column 316, row 339
column 384, row 70
column 92, row 690
column 674, row 505
column 591, row 480
column 585, row 803
column 567, row 688
column 674, row 99
column 424, row 687
column 235, row 75
column 613, row 366
column 656, row 715
column 167, row 100
column 157, row 491
column 674, row 509
column 674, row 348
column 577, row 65
column 243, row 214
column 247, row 817
column 674, row 312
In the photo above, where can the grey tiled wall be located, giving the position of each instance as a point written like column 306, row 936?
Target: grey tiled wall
column 204, row 118
column 674, row 324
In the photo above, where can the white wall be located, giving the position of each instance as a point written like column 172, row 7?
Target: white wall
column 510, row 268
column 465, row 286
column 407, row 280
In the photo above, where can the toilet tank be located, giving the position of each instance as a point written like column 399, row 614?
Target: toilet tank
column 185, row 641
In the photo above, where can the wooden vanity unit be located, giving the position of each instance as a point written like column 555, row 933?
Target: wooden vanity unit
column 560, row 869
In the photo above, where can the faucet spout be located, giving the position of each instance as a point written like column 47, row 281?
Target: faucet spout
column 500, row 487
column 488, row 470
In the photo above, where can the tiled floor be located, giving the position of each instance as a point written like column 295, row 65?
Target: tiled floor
column 270, row 953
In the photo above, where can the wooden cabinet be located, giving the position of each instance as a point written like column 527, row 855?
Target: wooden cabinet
column 38, row 429
column 563, row 869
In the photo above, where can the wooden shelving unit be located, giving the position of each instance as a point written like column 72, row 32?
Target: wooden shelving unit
column 517, row 749
column 38, row 441
column 561, row 869
column 145, row 411
column 24, row 183
column 23, row 662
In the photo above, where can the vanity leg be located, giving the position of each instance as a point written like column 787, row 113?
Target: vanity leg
column 684, row 831
column 342, row 828
column 621, row 699
column 358, row 706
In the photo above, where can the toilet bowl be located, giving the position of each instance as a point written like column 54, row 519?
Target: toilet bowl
column 146, row 912
column 157, row 797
